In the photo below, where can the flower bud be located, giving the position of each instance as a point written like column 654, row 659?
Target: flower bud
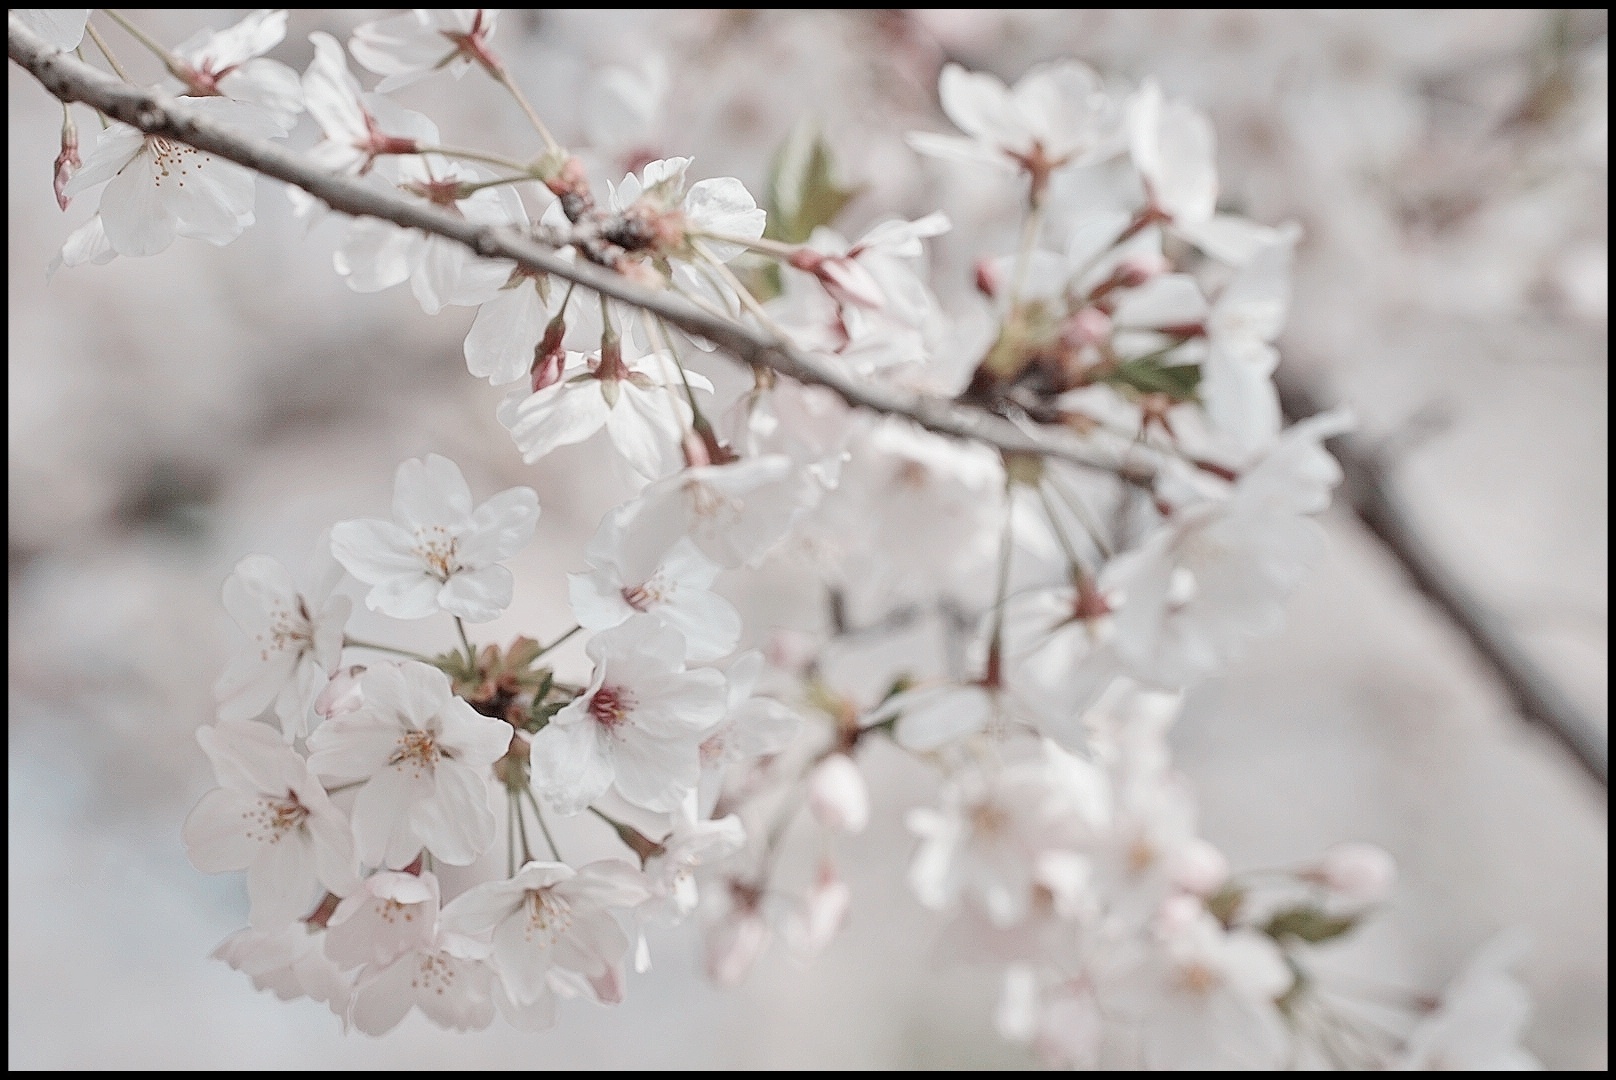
column 1135, row 270
column 67, row 162
column 837, row 795
column 1091, row 326
column 550, row 356
column 1199, row 868
column 988, row 278
column 1358, row 872
column 341, row 693
column 822, row 913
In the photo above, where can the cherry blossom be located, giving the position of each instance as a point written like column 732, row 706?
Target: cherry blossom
column 359, row 128
column 271, row 817
column 449, row 980
column 671, row 869
column 296, row 642
column 424, row 756
column 408, row 47
column 438, row 553
column 231, row 63
column 388, row 915
column 1056, row 115
column 639, row 725
column 549, row 921
column 157, row 189
column 631, row 578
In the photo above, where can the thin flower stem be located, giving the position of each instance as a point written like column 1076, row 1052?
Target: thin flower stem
column 558, row 641
column 1084, row 518
column 762, row 244
column 511, row 810
column 503, row 77
column 690, row 394
column 170, row 61
column 355, row 643
column 748, row 301
column 538, row 815
column 1029, row 240
column 478, row 156
column 1002, row 590
column 1075, row 564
column 521, row 828
column 471, row 653
column 101, row 44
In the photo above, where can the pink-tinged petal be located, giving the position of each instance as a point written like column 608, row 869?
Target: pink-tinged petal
column 134, row 211
column 457, row 824
column 295, row 702
column 116, row 148
column 681, row 704
column 59, row 28
column 330, row 624
column 975, row 101
column 376, row 255
column 1166, row 300
column 710, row 624
column 645, row 427
column 931, row 718
column 468, row 1004
column 210, row 199
column 430, row 492
column 215, row 832
column 258, row 586
column 251, row 681
column 251, row 758
column 570, row 766
column 353, row 745
column 335, row 862
column 559, row 415
column 381, row 818
column 537, row 1015
column 597, row 601
column 281, row 883
column 423, row 692
column 1228, row 238
column 482, row 907
column 477, row 741
column 723, row 205
column 593, row 943
column 653, row 772
column 331, row 93
column 373, row 550
column 499, row 347
column 403, row 47
column 524, row 957
column 613, row 883
column 382, row 999
column 501, row 526
column 413, row 597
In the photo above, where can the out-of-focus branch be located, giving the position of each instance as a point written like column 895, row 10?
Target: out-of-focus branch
column 1367, row 487
column 156, row 113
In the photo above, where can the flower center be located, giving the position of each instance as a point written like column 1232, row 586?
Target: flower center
column 418, row 751
column 548, row 917
column 642, row 597
column 272, row 819
column 172, row 158
column 287, row 632
column 1197, row 978
column 610, row 706
column 437, row 548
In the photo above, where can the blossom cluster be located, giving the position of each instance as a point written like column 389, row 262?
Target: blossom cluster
column 1083, row 601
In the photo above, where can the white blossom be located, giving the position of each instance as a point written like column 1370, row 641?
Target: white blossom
column 296, row 642
column 438, row 553
column 271, row 817
column 639, row 725
column 425, row 758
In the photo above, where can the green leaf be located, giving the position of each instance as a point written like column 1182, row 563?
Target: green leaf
column 803, row 193
column 1309, row 924
column 1150, row 376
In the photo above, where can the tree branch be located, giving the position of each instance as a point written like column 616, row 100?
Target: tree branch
column 1366, row 486
column 157, row 113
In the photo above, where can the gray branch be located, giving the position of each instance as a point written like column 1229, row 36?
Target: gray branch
column 157, row 113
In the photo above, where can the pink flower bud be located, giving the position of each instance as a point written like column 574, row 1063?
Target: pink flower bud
column 988, row 278
column 341, row 693
column 822, row 913
column 1358, row 872
column 1091, row 326
column 837, row 795
column 1199, row 868
column 843, row 277
column 1134, row 271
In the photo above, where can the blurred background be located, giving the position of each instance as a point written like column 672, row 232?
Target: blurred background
column 168, row 416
